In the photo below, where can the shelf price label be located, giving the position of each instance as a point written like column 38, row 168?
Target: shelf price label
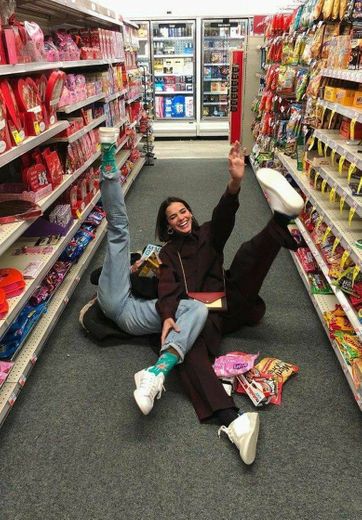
column 326, row 234
column 311, row 142
column 324, row 184
column 351, row 169
column 341, row 204
column 344, row 258
column 333, row 156
column 335, row 244
column 356, row 271
column 316, row 177
column 332, row 195
column 351, row 128
column 22, row 380
column 340, row 164
column 320, row 148
column 351, row 213
column 331, row 118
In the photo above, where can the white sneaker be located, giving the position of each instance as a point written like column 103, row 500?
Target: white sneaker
column 281, row 195
column 84, row 309
column 148, row 386
column 243, row 432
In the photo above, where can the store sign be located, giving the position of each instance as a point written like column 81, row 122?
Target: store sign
column 224, row 23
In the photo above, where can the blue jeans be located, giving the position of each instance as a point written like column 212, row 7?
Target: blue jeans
column 134, row 315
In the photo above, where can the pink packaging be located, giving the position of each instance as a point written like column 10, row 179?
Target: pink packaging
column 234, row 363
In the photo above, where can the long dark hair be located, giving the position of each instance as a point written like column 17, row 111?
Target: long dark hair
column 161, row 222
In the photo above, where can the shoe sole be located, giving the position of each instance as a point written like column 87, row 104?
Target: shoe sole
column 248, row 454
column 275, row 182
column 84, row 310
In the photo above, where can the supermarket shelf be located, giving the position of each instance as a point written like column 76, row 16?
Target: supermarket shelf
column 351, row 112
column 134, row 98
column 17, row 303
column 324, row 303
column 80, row 133
column 163, row 38
column 132, row 176
column 163, row 74
column 341, row 186
column 121, row 122
column 31, row 349
column 335, row 141
column 341, row 297
column 139, row 139
column 28, row 68
column 121, row 144
column 217, row 93
column 174, row 93
column 88, row 101
column 116, row 95
column 31, row 142
column 211, row 103
column 173, row 55
column 11, row 232
column 142, row 57
column 215, row 64
column 348, row 75
column 134, row 123
column 122, row 157
column 338, row 222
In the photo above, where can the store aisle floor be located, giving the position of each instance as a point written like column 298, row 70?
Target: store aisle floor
column 76, row 447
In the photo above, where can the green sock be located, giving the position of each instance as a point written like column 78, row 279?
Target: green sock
column 164, row 364
column 108, row 163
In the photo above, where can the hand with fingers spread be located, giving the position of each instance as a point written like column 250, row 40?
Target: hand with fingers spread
column 236, row 161
column 168, row 325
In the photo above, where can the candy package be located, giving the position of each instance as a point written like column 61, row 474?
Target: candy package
column 349, row 346
column 319, row 284
column 234, row 363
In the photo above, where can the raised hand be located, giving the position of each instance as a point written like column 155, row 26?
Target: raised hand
column 236, row 161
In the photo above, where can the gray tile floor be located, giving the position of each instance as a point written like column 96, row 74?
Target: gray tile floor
column 191, row 149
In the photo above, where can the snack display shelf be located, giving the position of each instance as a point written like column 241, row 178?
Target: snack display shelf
column 139, row 139
column 86, row 165
column 341, row 186
column 174, row 93
column 8, row 258
column 322, row 304
column 337, row 222
column 173, row 56
column 31, row 142
column 325, row 303
column 88, row 101
column 336, row 142
column 132, row 176
column 121, row 122
column 122, row 157
column 32, row 347
column 116, row 95
column 134, row 98
column 339, row 294
column 121, row 144
column 11, row 232
column 134, row 123
column 77, row 135
column 348, row 75
column 28, row 68
column 351, row 112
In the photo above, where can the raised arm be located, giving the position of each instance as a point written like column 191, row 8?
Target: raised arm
column 223, row 216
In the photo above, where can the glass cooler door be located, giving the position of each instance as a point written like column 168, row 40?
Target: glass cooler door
column 173, row 53
column 218, row 38
column 144, row 53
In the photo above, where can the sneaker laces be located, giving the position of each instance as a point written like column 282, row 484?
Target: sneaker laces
column 149, row 385
column 225, row 429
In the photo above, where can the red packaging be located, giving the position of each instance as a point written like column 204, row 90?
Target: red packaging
column 5, row 142
column 29, row 102
column 344, row 129
column 54, row 167
column 15, row 121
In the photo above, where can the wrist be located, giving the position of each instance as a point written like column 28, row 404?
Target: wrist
column 234, row 186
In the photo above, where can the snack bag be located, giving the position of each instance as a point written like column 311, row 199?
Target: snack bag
column 277, row 367
column 327, row 9
column 234, row 363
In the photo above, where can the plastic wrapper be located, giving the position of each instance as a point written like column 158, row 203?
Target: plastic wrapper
column 356, row 366
column 234, row 363
column 349, row 346
column 327, row 9
column 318, row 7
column 319, row 284
column 7, row 8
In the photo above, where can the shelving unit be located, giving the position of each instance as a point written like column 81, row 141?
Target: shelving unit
column 79, row 14
column 323, row 303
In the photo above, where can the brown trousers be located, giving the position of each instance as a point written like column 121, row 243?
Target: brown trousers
column 245, row 307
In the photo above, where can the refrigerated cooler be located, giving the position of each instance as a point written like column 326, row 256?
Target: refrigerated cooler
column 218, row 38
column 144, row 41
column 173, row 67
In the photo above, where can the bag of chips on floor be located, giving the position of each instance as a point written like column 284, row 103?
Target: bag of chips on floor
column 268, row 375
column 234, row 363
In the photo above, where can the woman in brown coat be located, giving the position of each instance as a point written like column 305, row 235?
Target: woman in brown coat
column 192, row 260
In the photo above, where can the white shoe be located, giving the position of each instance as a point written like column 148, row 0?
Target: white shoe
column 243, row 432
column 83, row 310
column 281, row 195
column 148, row 386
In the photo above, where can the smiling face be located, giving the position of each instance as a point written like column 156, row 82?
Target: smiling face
column 179, row 218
